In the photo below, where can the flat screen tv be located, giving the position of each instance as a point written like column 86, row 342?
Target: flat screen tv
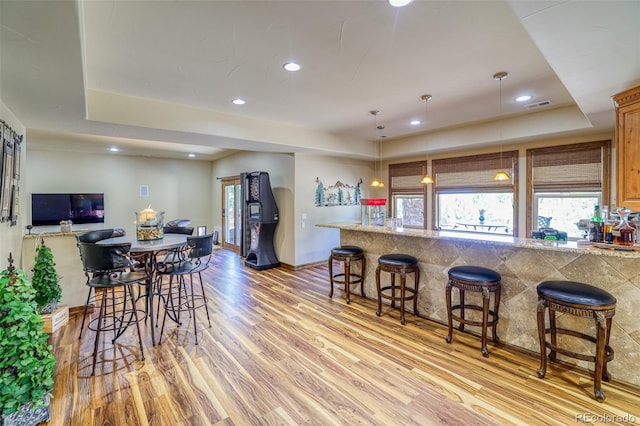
column 50, row 209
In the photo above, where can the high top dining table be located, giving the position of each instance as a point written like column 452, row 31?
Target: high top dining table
column 147, row 253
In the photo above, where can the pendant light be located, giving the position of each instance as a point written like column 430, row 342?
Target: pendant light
column 426, row 179
column 501, row 175
column 376, row 182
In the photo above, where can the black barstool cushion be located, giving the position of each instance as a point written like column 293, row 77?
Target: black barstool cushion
column 575, row 293
column 347, row 250
column 397, row 259
column 476, row 274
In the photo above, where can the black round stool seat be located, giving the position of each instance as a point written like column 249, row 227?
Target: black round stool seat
column 575, row 293
column 347, row 254
column 582, row 300
column 402, row 264
column 346, row 250
column 397, row 260
column 475, row 279
column 475, row 274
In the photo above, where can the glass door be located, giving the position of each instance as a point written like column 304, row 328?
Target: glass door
column 231, row 214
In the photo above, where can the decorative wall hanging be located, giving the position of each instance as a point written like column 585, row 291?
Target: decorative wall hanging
column 10, row 174
column 338, row 194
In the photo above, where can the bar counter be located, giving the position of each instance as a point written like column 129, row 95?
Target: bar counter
column 523, row 264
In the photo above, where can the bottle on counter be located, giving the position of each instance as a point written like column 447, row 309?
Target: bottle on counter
column 609, row 223
column 596, row 226
column 624, row 233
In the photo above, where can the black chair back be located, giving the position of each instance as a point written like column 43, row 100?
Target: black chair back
column 100, row 234
column 104, row 258
column 185, row 230
column 200, row 246
column 178, row 222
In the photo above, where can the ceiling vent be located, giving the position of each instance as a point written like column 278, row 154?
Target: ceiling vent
column 539, row 104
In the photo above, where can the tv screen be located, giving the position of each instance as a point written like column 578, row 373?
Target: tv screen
column 50, row 209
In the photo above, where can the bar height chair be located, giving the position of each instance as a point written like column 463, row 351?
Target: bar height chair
column 181, row 295
column 107, row 269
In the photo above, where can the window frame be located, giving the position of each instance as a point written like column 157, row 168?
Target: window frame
column 567, row 150
column 414, row 170
column 505, row 160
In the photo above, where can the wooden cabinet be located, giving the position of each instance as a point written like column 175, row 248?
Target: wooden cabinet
column 628, row 148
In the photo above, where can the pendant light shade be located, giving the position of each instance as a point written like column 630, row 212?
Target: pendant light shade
column 501, row 175
column 376, row 182
column 426, row 179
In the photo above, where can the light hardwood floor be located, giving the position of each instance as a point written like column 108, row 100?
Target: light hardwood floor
column 280, row 352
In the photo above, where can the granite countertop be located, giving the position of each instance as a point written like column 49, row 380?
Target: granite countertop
column 491, row 239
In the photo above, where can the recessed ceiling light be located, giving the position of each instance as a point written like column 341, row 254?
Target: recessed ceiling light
column 291, row 66
column 399, row 3
column 238, row 101
column 415, row 122
column 114, row 149
column 191, row 155
column 523, row 98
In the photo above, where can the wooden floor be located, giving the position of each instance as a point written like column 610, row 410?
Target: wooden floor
column 281, row 352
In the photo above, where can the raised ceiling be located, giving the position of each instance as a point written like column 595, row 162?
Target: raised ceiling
column 157, row 78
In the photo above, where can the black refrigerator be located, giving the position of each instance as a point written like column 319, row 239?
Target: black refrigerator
column 259, row 221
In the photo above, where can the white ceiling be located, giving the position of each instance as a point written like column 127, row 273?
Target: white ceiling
column 158, row 77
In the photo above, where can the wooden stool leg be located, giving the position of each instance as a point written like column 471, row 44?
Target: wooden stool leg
column 403, row 284
column 393, row 290
column 542, row 338
column 362, row 270
column 415, row 291
column 331, row 275
column 496, row 307
column 347, row 278
column 552, row 326
column 600, row 342
column 485, row 321
column 461, row 325
column 449, row 337
column 605, row 371
column 379, row 311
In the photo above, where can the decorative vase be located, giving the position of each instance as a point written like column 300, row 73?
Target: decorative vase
column 29, row 416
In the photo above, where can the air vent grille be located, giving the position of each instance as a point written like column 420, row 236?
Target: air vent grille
column 539, row 104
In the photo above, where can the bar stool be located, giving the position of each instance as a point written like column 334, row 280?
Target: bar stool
column 581, row 300
column 475, row 279
column 402, row 264
column 347, row 254
column 110, row 281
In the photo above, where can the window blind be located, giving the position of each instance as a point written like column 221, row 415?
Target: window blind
column 474, row 172
column 406, row 176
column 577, row 167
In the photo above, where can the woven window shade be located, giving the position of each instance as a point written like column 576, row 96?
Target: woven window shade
column 475, row 172
column 406, row 182
column 567, row 170
column 406, row 176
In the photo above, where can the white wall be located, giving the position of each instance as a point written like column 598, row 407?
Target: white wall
column 180, row 188
column 312, row 243
column 11, row 236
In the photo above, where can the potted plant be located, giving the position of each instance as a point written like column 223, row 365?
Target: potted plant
column 26, row 360
column 45, row 280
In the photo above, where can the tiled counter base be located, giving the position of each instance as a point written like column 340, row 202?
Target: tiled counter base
column 523, row 264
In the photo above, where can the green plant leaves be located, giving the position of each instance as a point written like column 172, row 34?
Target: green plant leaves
column 45, row 278
column 26, row 360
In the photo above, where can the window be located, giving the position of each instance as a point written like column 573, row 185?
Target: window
column 565, row 183
column 466, row 198
column 407, row 193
